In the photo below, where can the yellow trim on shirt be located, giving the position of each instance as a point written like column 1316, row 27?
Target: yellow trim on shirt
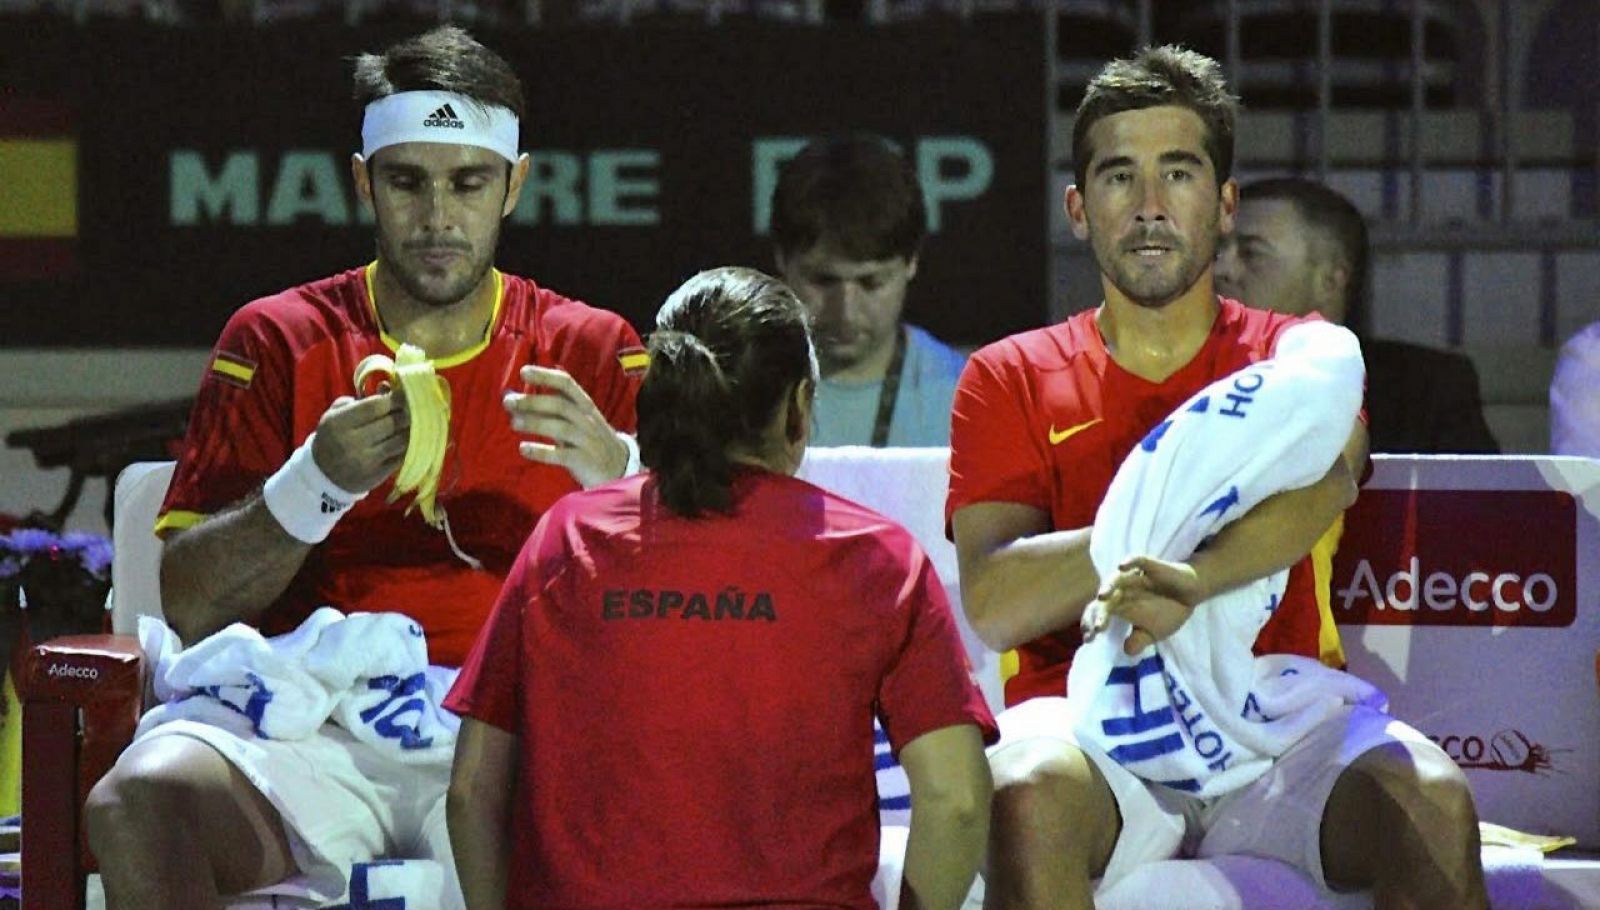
column 636, row 360
column 393, row 343
column 228, row 368
column 1010, row 665
column 177, row 520
column 1329, row 646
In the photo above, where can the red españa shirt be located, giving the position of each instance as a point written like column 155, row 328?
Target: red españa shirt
column 1044, row 418
column 693, row 698
column 282, row 360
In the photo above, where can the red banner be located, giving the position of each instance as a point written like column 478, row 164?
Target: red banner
column 1458, row 558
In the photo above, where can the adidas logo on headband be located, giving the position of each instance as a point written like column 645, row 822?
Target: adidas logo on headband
column 445, row 117
column 431, row 116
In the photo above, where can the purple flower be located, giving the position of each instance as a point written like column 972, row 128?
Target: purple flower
column 93, row 551
column 29, row 541
column 90, row 553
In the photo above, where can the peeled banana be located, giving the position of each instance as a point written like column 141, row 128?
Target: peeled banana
column 428, row 404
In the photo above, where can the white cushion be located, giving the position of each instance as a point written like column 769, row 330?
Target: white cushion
column 136, row 564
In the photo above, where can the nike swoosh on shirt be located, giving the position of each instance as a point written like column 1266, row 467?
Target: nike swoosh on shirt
column 1057, row 437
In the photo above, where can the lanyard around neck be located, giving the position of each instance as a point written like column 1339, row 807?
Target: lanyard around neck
column 890, row 390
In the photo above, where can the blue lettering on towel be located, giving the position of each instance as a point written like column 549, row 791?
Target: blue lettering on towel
column 1156, row 720
column 250, row 699
column 1252, row 711
column 387, row 725
column 1222, row 503
column 1243, row 393
column 1154, row 436
column 1207, row 743
column 361, row 890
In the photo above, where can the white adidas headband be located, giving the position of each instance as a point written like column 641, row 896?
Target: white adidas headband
column 431, row 116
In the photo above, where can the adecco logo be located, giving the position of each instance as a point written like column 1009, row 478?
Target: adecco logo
column 59, row 670
column 1458, row 558
column 1508, row 750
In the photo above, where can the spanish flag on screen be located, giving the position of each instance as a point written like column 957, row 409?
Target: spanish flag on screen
column 38, row 190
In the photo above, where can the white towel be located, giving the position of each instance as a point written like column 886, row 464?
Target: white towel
column 395, row 884
column 238, row 679
column 1198, row 712
column 367, row 672
column 385, row 691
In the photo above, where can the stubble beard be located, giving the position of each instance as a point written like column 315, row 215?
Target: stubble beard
column 434, row 295
column 1155, row 288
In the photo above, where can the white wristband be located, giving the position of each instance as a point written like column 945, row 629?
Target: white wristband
column 302, row 498
column 634, row 466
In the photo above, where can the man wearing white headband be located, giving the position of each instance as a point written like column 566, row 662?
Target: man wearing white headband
column 270, row 516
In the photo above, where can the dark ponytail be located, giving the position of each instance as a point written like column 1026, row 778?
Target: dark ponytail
column 683, row 391
column 729, row 345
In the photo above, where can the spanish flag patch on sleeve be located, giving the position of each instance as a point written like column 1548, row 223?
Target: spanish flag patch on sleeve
column 633, row 360
column 233, row 369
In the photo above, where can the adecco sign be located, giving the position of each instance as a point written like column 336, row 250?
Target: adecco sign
column 1468, row 590
column 1458, row 558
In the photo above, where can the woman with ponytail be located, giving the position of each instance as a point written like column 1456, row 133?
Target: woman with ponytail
column 672, row 703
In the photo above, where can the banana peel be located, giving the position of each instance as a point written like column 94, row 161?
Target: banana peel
column 427, row 397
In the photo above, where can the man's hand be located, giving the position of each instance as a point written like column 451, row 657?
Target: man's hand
column 1156, row 597
column 581, row 440
column 361, row 441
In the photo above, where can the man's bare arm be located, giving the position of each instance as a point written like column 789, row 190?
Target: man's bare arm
column 1282, row 528
column 234, row 564
column 951, row 790
column 226, row 569
column 478, row 811
column 1156, row 596
column 1019, row 579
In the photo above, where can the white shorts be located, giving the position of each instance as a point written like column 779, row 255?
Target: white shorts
column 1279, row 815
column 341, row 801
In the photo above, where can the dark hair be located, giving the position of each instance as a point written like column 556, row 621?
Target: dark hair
column 857, row 193
column 1338, row 222
column 446, row 59
column 729, row 345
column 1156, row 77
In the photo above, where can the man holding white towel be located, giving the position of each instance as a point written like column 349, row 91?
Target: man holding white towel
column 1042, row 420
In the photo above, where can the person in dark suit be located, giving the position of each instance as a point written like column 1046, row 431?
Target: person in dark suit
column 1299, row 247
